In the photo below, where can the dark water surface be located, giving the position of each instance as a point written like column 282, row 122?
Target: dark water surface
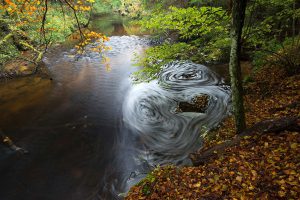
column 90, row 132
column 70, row 125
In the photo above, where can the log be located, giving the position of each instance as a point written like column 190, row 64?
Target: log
column 274, row 126
column 264, row 127
column 10, row 144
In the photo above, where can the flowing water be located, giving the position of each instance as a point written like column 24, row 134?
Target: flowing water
column 150, row 110
column 91, row 133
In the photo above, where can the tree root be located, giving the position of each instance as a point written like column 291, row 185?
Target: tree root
column 264, row 127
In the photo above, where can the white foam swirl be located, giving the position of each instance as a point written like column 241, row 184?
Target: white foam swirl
column 149, row 110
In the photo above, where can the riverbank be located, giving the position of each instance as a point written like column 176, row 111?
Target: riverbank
column 25, row 39
column 20, row 68
column 264, row 164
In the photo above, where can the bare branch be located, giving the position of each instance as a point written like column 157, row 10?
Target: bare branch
column 77, row 20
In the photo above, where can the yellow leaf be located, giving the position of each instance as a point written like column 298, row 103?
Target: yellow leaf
column 294, row 145
column 254, row 173
column 23, row 68
column 251, row 187
column 266, row 144
column 293, row 172
column 224, row 187
column 197, row 184
column 239, row 178
column 281, row 193
column 281, row 182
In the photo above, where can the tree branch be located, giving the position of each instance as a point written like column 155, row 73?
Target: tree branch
column 7, row 37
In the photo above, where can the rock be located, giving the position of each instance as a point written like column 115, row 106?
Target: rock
column 199, row 105
column 21, row 68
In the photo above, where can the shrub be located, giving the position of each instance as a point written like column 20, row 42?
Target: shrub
column 285, row 55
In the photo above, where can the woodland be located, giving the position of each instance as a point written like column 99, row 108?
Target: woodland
column 255, row 152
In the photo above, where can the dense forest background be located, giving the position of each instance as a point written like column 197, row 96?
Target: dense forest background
column 196, row 30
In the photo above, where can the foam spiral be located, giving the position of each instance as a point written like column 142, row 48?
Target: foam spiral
column 150, row 111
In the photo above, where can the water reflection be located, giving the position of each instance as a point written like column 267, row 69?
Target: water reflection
column 70, row 126
column 114, row 25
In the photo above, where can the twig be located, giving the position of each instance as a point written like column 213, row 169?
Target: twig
column 77, row 20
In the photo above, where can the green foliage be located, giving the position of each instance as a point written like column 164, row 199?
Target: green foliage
column 269, row 20
column 285, row 54
column 248, row 79
column 7, row 48
column 202, row 33
column 208, row 3
column 107, row 6
column 215, row 50
column 132, row 8
column 189, row 22
column 270, row 34
column 156, row 57
column 59, row 25
column 147, row 182
column 146, row 190
column 7, row 53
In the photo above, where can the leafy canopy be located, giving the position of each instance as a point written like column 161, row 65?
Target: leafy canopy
column 202, row 35
column 189, row 22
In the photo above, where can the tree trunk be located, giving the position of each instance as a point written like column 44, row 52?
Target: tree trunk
column 238, row 16
column 294, row 22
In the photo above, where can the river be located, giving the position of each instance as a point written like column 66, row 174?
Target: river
column 90, row 132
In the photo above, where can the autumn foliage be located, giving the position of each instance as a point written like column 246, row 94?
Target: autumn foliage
column 37, row 20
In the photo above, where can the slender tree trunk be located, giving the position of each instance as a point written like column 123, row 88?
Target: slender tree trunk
column 238, row 16
column 294, row 22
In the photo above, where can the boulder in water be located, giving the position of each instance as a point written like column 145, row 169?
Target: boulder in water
column 198, row 105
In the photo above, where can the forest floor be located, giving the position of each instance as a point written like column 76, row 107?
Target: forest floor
column 258, row 166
